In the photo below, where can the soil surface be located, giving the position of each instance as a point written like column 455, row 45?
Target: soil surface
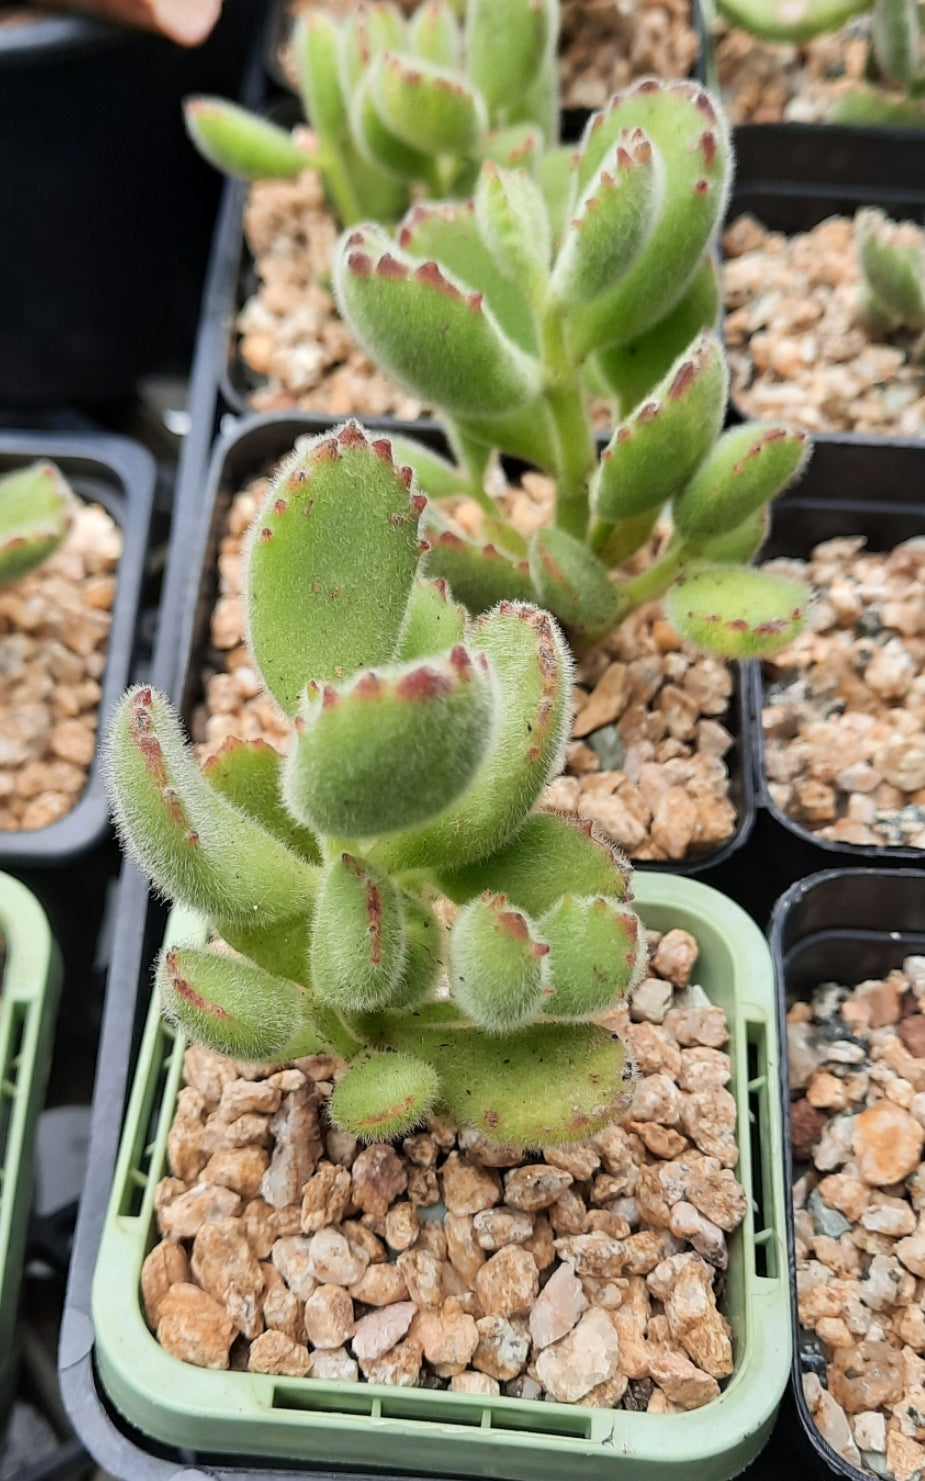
column 857, row 1075
column 844, row 704
column 591, row 1274
column 647, row 757
column 54, row 630
column 771, row 82
column 801, row 347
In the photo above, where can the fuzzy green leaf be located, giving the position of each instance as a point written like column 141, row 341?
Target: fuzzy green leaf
column 36, row 508
column 237, row 1009
column 391, row 749
column 534, row 672
column 330, row 563
column 689, row 135
column 497, row 965
column 630, row 371
column 368, row 30
column 735, row 611
column 779, row 20
column 479, row 575
column 430, row 332
column 741, row 544
column 240, row 144
column 381, row 146
column 384, row 1095
column 424, row 957
column 571, row 581
column 611, row 223
column 182, row 833
column 897, row 39
column 501, row 1087
column 435, row 476
column 316, row 44
column 548, row 857
column 506, row 44
column 434, row 623
column 279, row 947
column 359, row 946
column 433, row 33
column 747, row 468
column 894, row 270
column 654, row 453
column 517, row 147
column 250, row 775
column 429, row 107
column 512, row 220
column 598, row 952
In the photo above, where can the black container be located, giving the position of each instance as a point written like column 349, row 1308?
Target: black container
column 792, row 205
column 830, row 156
column 118, row 474
column 843, row 925
column 108, row 210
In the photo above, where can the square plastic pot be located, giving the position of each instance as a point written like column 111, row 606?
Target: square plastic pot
column 29, row 985
column 119, row 475
column 209, row 1414
column 841, row 925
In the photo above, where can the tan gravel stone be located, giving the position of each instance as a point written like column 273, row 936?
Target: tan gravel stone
column 379, row 1331
column 467, row 1186
column 587, row 1357
column 273, row 1352
column 225, row 1266
column 378, row 1178
column 194, row 1327
column 329, row 1317
column 887, row 1142
column 165, row 1266
column 557, row 1307
column 508, row 1283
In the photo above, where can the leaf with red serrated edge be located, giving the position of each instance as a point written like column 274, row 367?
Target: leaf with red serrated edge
column 571, row 581
column 747, row 468
column 380, row 145
column 430, row 332
column 611, row 223
column 478, row 575
column 512, row 220
column 736, row 611
column 433, row 33
column 429, row 107
column 237, row 1009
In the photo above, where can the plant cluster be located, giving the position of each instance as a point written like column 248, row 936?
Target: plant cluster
column 400, row 105
column 892, row 264
column 897, row 62
column 421, row 742
column 506, row 312
column 36, row 507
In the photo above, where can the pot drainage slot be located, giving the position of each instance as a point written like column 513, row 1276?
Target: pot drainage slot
column 432, row 1409
column 131, row 1200
column 759, row 1092
column 9, row 1076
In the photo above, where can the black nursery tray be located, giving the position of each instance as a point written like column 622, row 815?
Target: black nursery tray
column 841, row 925
column 119, row 475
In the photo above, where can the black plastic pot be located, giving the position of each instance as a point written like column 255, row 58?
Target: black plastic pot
column 842, row 925
column 108, row 209
column 791, row 205
column 119, row 475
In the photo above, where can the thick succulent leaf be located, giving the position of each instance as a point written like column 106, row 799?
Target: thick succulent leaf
column 735, row 611
column 430, row 332
column 534, row 672
column 778, row 20
column 250, row 775
column 612, row 222
column 690, row 136
column 526, row 433
column 316, row 45
column 448, row 233
column 479, row 575
column 195, row 846
column 517, row 147
column 433, row 33
column 359, row 945
column 497, row 965
column 430, row 107
column 897, row 39
column 741, row 544
column 391, row 749
column 654, row 453
column 381, row 146
column 500, row 1086
column 512, row 220
column 571, row 581
column 630, row 371
column 597, row 952
column 547, row 858
column 240, row 144
column 540, row 104
column 383, row 1095
column 367, row 31
column 330, row 563
column 556, row 178
column 506, row 45
column 894, row 271
column 36, row 508
column 747, row 468
column 237, row 1009
column 424, row 957
column 434, row 623
column 279, row 947
column 873, row 106
column 435, row 476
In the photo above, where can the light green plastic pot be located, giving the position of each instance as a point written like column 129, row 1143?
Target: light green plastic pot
column 426, row 1431
column 29, row 988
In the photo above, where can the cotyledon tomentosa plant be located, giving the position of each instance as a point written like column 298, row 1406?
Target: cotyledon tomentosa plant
column 892, row 261
column 399, row 105
column 421, row 742
column 36, row 505
column 503, row 318
column 896, row 49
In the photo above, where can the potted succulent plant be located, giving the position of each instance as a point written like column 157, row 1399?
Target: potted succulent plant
column 428, row 796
